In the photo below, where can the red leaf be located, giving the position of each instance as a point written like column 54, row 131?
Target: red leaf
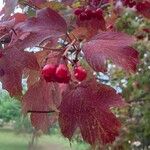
column 89, row 24
column 39, row 100
column 11, row 81
column 41, row 97
column 113, row 46
column 13, row 63
column 144, row 8
column 47, row 24
column 40, row 121
column 90, row 112
column 32, row 77
column 19, row 17
column 7, row 25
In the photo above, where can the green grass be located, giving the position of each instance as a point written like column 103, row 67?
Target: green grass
column 11, row 141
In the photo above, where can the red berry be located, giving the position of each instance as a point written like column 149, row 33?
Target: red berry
column 80, row 73
column 62, row 74
column 48, row 72
column 78, row 11
column 99, row 13
column 83, row 16
column 62, row 71
column 132, row 4
column 88, row 11
column 63, row 80
column 93, row 14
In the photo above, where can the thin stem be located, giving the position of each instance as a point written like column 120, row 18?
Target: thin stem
column 51, row 49
column 68, row 48
column 30, row 4
column 71, row 40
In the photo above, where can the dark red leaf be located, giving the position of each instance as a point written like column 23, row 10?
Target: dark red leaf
column 6, row 27
column 12, row 80
column 93, row 25
column 41, row 96
column 113, row 46
column 47, row 24
column 40, row 121
column 13, row 63
column 90, row 112
column 19, row 17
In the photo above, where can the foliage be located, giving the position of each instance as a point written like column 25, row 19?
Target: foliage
column 9, row 108
column 45, row 34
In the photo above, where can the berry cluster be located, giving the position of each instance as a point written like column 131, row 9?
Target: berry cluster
column 130, row 3
column 61, row 73
column 88, row 13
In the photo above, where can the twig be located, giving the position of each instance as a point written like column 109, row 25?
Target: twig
column 69, row 46
column 30, row 4
column 51, row 49
column 71, row 40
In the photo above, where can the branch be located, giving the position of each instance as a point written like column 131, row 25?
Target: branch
column 51, row 49
column 30, row 4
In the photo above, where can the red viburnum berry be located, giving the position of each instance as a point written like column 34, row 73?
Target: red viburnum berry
column 132, row 4
column 88, row 11
column 78, row 11
column 99, row 12
column 80, row 73
column 63, row 80
column 83, row 16
column 62, row 74
column 48, row 72
column 93, row 14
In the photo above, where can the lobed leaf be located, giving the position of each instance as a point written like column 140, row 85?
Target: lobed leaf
column 87, row 106
column 40, row 121
column 41, row 96
column 40, row 99
column 113, row 46
column 48, row 24
column 92, row 26
column 13, row 62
